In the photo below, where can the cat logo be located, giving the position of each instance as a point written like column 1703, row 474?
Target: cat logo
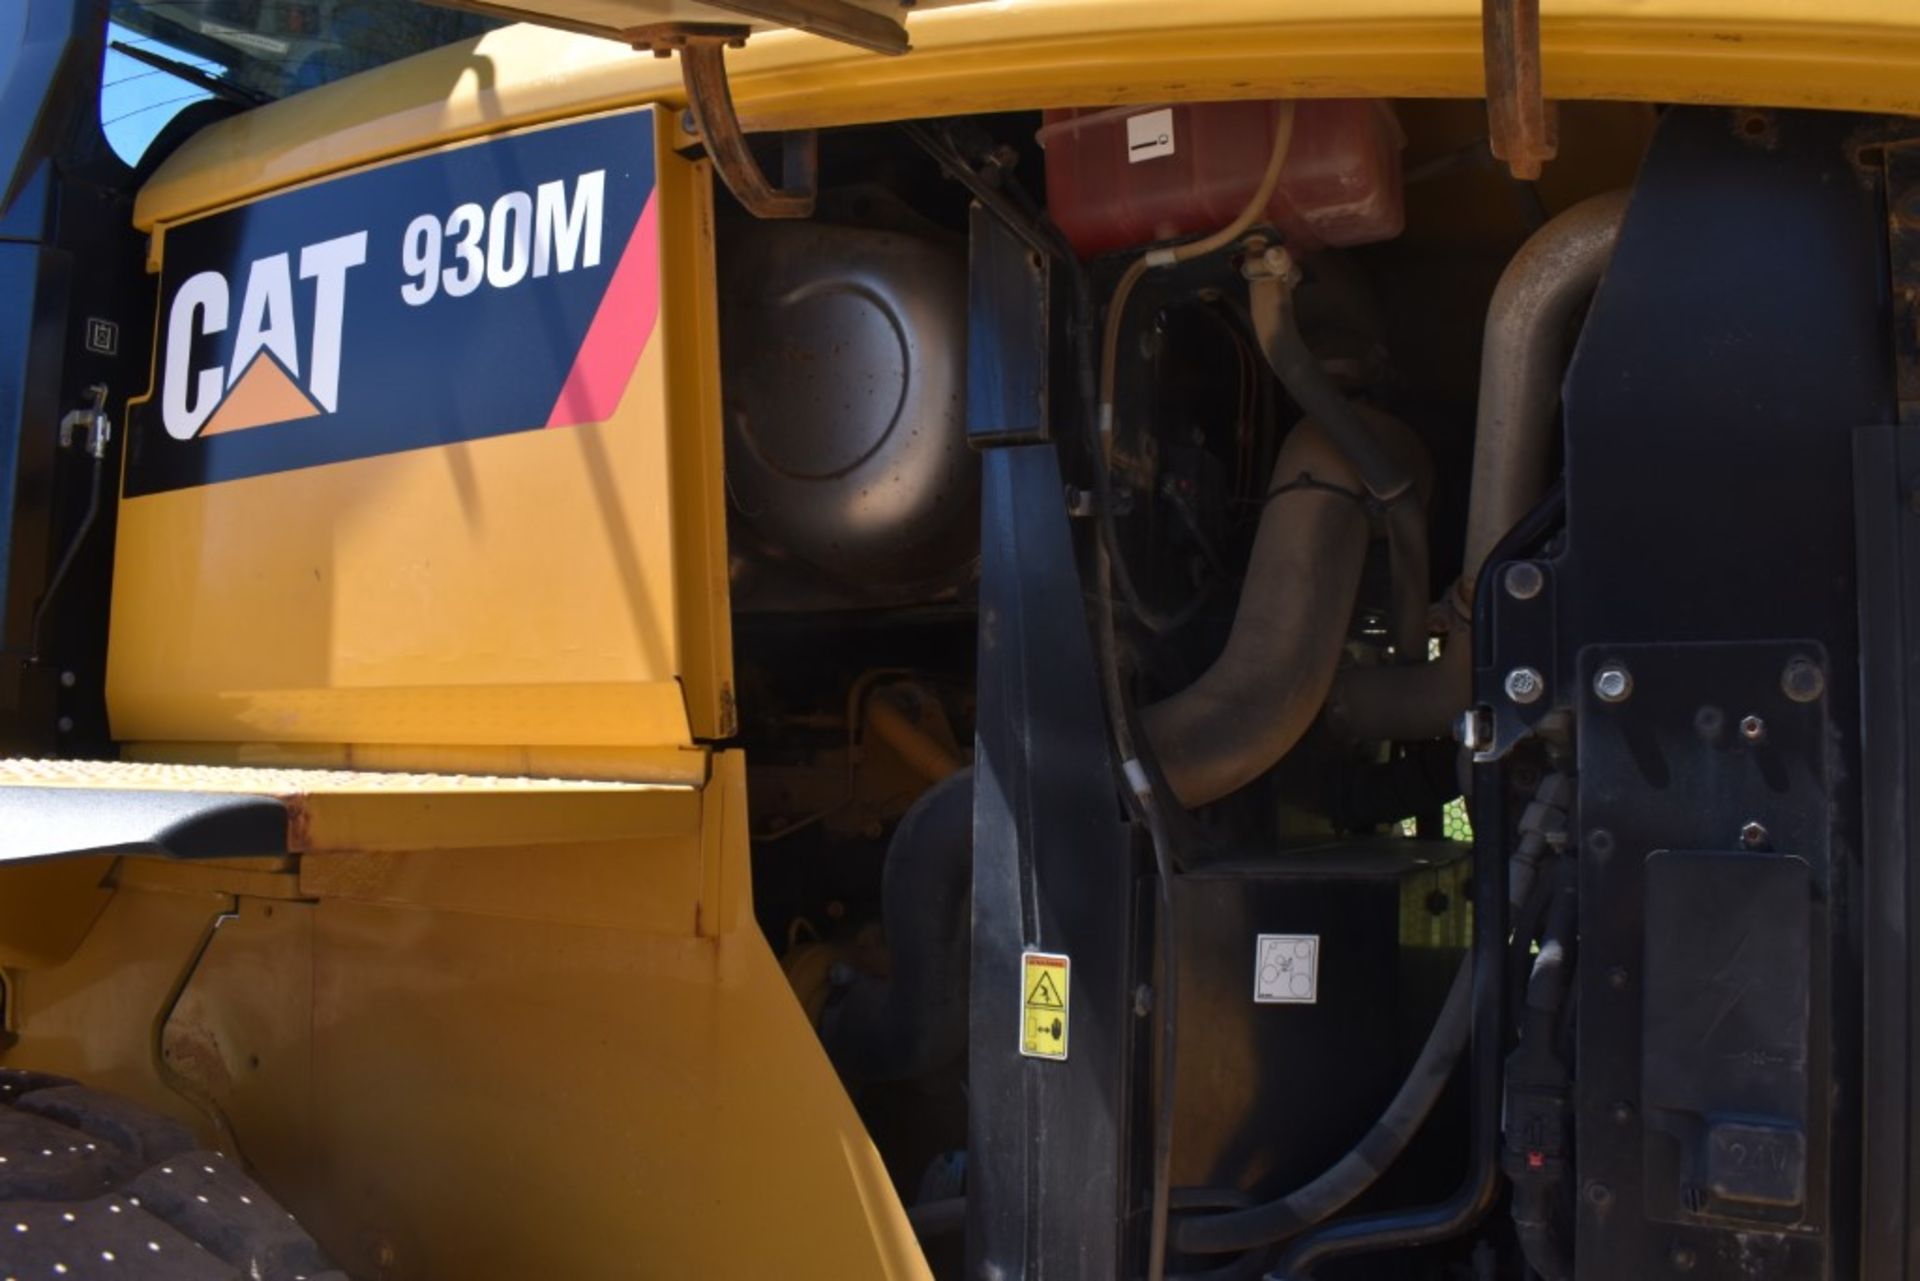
column 269, row 375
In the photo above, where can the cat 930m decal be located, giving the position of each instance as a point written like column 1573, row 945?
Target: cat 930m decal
column 494, row 288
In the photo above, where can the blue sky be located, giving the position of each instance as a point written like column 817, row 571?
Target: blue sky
column 137, row 100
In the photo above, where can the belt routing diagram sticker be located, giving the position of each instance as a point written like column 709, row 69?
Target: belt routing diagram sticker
column 1286, row 969
column 1044, row 985
column 500, row 287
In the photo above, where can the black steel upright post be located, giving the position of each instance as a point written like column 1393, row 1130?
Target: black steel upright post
column 1047, row 1143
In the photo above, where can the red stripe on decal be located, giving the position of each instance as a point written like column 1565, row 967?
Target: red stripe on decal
column 621, row 326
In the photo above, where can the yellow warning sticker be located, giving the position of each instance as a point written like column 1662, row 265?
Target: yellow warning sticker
column 1043, row 1005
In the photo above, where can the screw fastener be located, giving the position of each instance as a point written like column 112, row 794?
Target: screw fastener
column 1752, row 728
column 1612, row 684
column 1753, row 835
column 1802, row 681
column 1524, row 580
column 1525, row 685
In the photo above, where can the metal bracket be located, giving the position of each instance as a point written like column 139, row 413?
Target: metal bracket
column 703, row 69
column 92, row 421
column 1522, row 127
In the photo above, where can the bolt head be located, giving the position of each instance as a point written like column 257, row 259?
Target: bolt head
column 1523, row 580
column 1524, row 685
column 1612, row 684
column 1752, row 835
column 1802, row 681
column 1752, row 728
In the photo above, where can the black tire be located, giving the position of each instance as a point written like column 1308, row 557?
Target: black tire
column 96, row 1188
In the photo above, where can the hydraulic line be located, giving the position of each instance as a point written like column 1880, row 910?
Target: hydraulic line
column 1496, row 885
column 1102, row 443
column 1523, row 358
column 1144, row 800
column 1361, row 1167
column 1357, row 1171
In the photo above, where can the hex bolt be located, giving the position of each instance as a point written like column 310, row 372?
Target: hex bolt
column 68, row 679
column 1599, row 1193
column 1617, row 978
column 1802, row 681
column 1621, row 1112
column 1613, row 684
column 1525, row 685
column 1523, row 580
column 1752, row 728
column 1709, row 722
column 1682, row 1258
column 64, row 724
column 1753, row 835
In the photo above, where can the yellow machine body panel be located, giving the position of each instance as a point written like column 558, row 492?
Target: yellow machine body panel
column 1849, row 54
column 576, row 1059
column 561, row 586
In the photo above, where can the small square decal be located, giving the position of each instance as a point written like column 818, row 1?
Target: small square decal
column 1286, row 969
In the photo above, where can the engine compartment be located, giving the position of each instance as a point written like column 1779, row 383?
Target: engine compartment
column 1289, row 623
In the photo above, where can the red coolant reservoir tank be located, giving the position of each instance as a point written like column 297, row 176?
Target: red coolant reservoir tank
column 1119, row 178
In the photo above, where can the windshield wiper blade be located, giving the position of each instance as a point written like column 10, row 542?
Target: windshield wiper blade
column 194, row 75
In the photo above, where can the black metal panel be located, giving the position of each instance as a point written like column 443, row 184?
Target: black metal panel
column 1271, row 1094
column 1887, row 478
column 35, row 286
column 46, row 84
column 1724, row 1053
column 1716, row 1010
column 1047, row 1141
column 1008, row 314
column 76, row 307
column 1902, row 165
column 1739, row 337
column 61, row 822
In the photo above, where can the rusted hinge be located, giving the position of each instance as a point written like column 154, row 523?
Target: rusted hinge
column 703, row 69
column 1522, row 128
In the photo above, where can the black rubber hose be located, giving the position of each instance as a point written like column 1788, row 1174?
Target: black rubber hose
column 1539, row 1120
column 1270, row 302
column 1480, row 1185
column 95, row 487
column 914, row 1021
column 1360, row 1168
